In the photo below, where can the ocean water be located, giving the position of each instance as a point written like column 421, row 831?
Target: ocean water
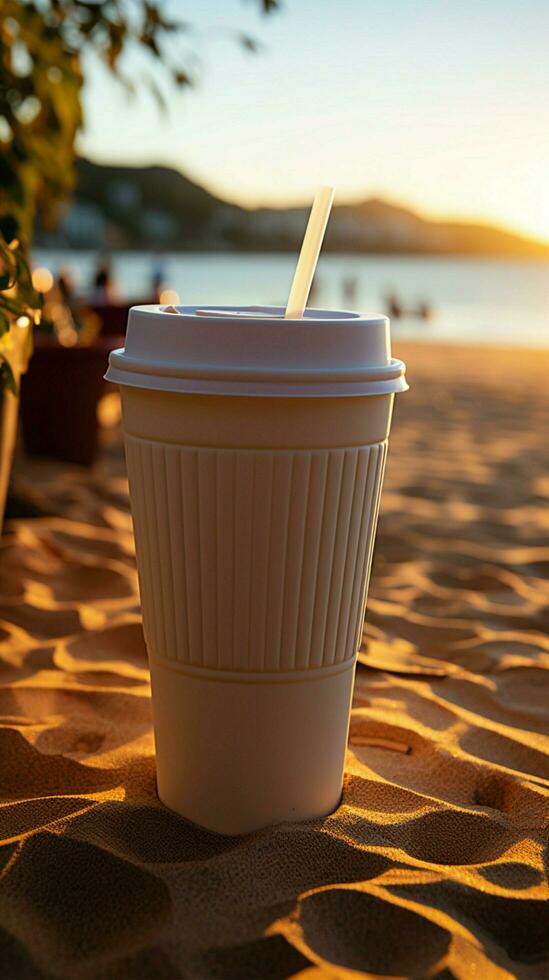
column 476, row 301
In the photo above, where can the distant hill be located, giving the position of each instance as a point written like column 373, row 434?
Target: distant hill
column 156, row 207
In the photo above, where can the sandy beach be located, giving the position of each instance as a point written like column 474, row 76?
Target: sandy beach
column 435, row 864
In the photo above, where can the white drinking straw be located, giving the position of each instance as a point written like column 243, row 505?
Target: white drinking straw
column 310, row 250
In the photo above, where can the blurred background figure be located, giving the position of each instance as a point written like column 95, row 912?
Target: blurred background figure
column 102, row 288
column 65, row 285
column 158, row 279
column 349, row 288
column 424, row 310
column 397, row 309
column 393, row 305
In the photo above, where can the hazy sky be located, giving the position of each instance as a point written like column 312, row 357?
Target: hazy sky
column 441, row 104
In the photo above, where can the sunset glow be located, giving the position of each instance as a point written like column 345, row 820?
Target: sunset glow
column 437, row 106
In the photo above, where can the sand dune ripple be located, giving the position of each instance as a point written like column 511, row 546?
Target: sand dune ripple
column 434, row 865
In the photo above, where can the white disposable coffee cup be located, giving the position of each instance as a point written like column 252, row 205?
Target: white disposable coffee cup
column 256, row 447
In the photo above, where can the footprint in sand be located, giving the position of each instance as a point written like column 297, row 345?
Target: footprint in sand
column 505, row 751
column 68, row 881
column 119, row 641
column 25, row 772
column 362, row 932
column 519, row 925
column 269, row 958
column 511, row 875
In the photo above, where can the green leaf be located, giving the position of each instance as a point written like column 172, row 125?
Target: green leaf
column 10, row 304
column 8, row 265
column 37, row 160
column 7, row 379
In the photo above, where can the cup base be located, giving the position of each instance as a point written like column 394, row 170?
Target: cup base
column 244, row 751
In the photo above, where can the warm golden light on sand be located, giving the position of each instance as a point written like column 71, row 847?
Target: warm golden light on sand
column 42, row 279
column 445, row 789
column 169, row 296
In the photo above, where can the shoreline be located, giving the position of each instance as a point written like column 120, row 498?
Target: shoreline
column 467, row 348
column 238, row 253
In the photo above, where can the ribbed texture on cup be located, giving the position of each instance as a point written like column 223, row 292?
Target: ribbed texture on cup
column 253, row 560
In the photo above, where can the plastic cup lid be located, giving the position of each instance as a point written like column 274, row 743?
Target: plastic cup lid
column 255, row 351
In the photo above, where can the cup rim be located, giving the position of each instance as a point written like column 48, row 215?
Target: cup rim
column 211, row 350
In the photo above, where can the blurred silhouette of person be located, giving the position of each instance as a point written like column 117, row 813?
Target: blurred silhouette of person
column 394, row 306
column 62, row 309
column 424, row 310
column 158, row 279
column 102, row 292
column 65, row 286
column 349, row 288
